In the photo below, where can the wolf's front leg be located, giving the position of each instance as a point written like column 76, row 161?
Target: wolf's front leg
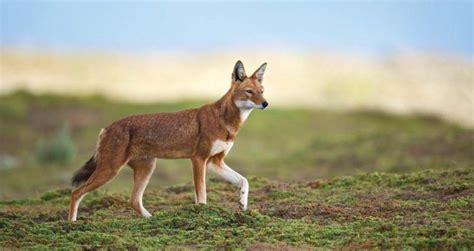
column 199, row 177
column 233, row 177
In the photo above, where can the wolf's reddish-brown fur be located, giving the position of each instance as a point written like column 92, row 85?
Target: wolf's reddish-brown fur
column 203, row 135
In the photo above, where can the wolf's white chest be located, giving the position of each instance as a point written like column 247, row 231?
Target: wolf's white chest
column 221, row 146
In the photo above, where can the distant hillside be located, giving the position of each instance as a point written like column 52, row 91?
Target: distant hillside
column 424, row 210
column 434, row 84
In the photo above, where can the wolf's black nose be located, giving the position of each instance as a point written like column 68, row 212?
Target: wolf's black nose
column 265, row 104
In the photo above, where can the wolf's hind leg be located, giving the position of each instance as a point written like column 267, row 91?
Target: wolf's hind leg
column 142, row 171
column 100, row 177
column 109, row 164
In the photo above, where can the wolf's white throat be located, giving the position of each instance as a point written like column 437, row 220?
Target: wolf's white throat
column 244, row 114
column 245, row 107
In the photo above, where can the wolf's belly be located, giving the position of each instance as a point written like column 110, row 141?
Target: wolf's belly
column 164, row 152
column 171, row 148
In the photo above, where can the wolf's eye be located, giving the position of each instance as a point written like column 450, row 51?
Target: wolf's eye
column 249, row 91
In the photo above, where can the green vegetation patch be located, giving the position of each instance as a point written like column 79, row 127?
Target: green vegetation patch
column 422, row 210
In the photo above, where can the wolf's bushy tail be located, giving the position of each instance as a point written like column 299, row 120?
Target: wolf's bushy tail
column 85, row 172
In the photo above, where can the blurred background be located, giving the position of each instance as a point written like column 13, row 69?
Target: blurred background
column 353, row 86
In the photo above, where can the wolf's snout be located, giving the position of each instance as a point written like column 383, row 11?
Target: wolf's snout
column 265, row 104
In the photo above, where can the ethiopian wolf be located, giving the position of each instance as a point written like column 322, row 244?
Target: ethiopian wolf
column 205, row 135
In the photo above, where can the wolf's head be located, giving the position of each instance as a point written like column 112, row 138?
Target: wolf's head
column 247, row 92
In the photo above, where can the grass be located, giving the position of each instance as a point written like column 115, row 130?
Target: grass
column 422, row 210
column 277, row 143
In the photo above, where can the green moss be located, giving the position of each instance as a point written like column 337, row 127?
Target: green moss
column 423, row 210
column 55, row 194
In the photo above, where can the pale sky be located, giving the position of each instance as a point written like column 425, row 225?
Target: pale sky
column 347, row 26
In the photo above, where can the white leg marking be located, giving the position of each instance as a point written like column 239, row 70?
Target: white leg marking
column 137, row 195
column 141, row 190
column 76, row 207
column 235, row 178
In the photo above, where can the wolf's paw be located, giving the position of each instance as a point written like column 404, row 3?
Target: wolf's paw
column 146, row 214
column 242, row 206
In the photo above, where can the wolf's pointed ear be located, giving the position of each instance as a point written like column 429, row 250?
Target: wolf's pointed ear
column 258, row 74
column 239, row 72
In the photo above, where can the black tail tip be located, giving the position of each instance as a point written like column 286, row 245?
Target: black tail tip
column 76, row 182
column 84, row 173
